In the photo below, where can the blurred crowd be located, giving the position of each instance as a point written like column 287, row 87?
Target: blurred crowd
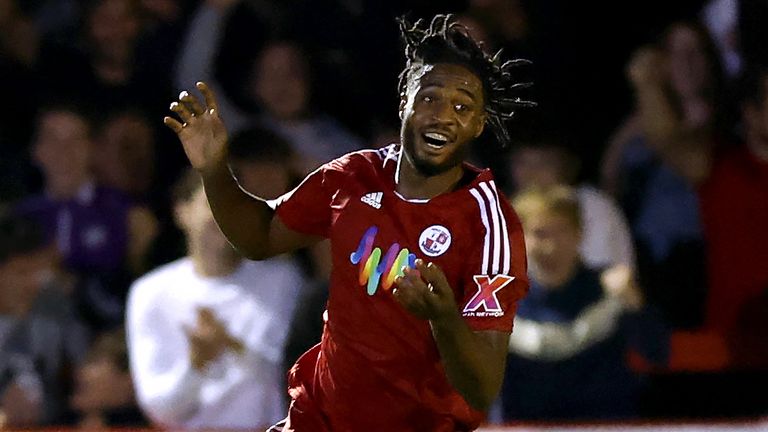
column 641, row 180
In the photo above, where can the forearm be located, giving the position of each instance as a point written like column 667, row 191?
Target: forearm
column 244, row 219
column 471, row 363
column 559, row 341
column 170, row 401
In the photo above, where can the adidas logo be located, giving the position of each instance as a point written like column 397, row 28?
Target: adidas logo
column 373, row 199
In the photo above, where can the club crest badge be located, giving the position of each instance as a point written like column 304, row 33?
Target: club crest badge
column 435, row 240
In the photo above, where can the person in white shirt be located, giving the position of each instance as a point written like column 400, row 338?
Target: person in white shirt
column 206, row 332
column 606, row 239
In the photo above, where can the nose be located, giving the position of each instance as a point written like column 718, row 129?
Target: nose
column 443, row 113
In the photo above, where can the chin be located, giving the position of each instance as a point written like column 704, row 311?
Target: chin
column 428, row 168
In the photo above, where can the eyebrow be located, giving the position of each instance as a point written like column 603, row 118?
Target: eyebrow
column 461, row 89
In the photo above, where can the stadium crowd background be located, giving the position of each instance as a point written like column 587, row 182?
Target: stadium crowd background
column 88, row 171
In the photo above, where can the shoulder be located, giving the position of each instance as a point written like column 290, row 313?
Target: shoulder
column 595, row 200
column 365, row 158
column 362, row 165
column 489, row 201
column 160, row 280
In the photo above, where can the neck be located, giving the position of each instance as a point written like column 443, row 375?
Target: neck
column 218, row 266
column 413, row 184
column 66, row 190
column 558, row 278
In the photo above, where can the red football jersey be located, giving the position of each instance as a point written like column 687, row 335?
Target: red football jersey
column 377, row 367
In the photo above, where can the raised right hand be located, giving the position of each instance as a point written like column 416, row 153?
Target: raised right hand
column 201, row 130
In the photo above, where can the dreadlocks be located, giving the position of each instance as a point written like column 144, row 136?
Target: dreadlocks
column 446, row 41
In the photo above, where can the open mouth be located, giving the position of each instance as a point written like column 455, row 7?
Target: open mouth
column 435, row 139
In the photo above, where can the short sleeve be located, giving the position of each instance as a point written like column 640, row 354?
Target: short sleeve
column 496, row 276
column 307, row 208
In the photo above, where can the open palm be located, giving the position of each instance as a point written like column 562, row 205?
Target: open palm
column 201, row 130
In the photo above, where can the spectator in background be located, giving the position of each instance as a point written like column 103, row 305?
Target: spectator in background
column 606, row 239
column 101, row 235
column 124, row 155
column 206, row 332
column 103, row 396
column 261, row 161
column 658, row 156
column 18, row 42
column 572, row 333
column 280, row 84
column 734, row 205
column 202, row 47
column 107, row 68
column 39, row 334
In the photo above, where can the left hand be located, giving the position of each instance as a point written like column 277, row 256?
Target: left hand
column 425, row 292
column 619, row 283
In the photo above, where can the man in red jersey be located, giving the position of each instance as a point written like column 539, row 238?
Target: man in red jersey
column 428, row 257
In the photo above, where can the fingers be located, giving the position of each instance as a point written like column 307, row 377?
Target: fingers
column 187, row 107
column 173, row 124
column 191, row 102
column 433, row 275
column 210, row 98
column 181, row 109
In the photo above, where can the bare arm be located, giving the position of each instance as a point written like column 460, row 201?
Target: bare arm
column 246, row 220
column 474, row 361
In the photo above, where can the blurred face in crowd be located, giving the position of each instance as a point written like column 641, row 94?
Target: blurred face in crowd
column 204, row 239
column 22, row 276
column 537, row 167
column 281, row 81
column 124, row 156
column 114, row 27
column 552, row 241
column 756, row 122
column 265, row 179
column 62, row 150
column 442, row 112
column 688, row 66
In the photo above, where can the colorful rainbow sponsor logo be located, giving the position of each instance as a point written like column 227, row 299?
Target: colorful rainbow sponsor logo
column 373, row 267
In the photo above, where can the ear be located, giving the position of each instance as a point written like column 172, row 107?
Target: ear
column 481, row 124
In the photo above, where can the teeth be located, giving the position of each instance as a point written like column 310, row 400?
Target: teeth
column 436, row 136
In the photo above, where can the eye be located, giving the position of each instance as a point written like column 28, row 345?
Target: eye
column 461, row 108
column 428, row 99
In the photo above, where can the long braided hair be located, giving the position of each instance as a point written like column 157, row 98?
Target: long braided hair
column 444, row 40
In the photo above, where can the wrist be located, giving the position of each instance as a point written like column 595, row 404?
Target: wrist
column 216, row 170
column 447, row 321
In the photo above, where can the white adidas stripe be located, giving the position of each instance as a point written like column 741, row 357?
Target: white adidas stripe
column 505, row 233
column 484, row 218
column 499, row 259
column 496, row 227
